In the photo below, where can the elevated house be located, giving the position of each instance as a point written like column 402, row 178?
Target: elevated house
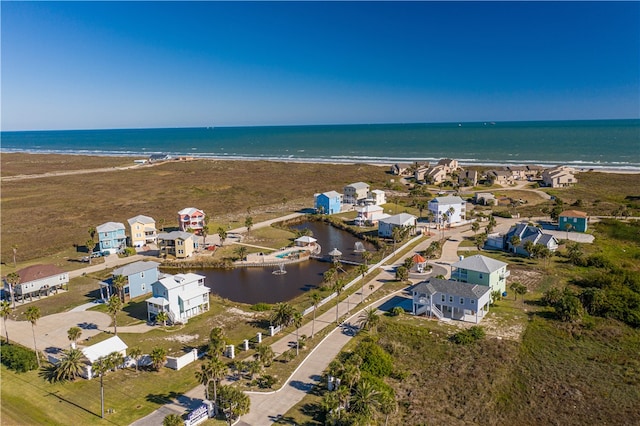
column 191, row 219
column 377, row 197
column 402, row 220
column 573, row 220
column 370, row 215
column 181, row 296
column 37, row 280
column 356, row 193
column 328, row 202
column 142, row 230
column 177, row 243
column 451, row 299
column 139, row 277
column 468, row 177
column 483, row 271
column 526, row 233
column 453, row 207
column 559, row 177
column 111, row 237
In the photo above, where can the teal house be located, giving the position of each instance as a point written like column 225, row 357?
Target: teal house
column 573, row 220
column 481, row 270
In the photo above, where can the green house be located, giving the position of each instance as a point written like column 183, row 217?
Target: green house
column 481, row 270
column 573, row 220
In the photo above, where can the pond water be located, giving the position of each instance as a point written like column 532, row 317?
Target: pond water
column 255, row 285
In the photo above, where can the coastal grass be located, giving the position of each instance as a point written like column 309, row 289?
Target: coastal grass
column 14, row 164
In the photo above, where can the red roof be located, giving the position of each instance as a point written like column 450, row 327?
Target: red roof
column 38, row 272
column 419, row 259
column 573, row 213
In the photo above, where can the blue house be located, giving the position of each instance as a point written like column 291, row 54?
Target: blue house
column 139, row 278
column 111, row 237
column 573, row 220
column 328, row 202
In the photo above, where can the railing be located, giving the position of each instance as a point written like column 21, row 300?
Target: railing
column 437, row 312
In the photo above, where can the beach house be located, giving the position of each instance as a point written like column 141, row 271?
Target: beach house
column 376, row 197
column 356, row 193
column 525, row 233
column 139, row 276
column 573, row 220
column 94, row 353
column 328, row 202
column 177, row 243
column 37, row 280
column 451, row 299
column 448, row 210
column 402, row 220
column 181, row 296
column 500, row 177
column 370, row 215
column 481, row 270
column 142, row 231
column 191, row 219
column 468, row 177
column 559, row 177
column 111, row 237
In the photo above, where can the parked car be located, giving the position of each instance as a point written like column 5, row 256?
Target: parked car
column 84, row 259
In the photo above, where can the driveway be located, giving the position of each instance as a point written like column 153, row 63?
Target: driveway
column 51, row 331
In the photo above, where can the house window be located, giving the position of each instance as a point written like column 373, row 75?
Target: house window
column 575, row 220
column 473, row 302
column 143, row 287
column 142, row 274
column 480, row 276
column 450, row 299
column 462, row 300
column 180, row 251
column 443, row 298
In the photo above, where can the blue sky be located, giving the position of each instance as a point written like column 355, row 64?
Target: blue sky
column 82, row 65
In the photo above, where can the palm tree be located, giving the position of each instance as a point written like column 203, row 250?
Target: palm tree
column 222, row 233
column 396, row 234
column 114, row 305
column 338, row 287
column 119, row 282
column 369, row 319
column 5, row 311
column 173, row 420
column 15, row 251
column 515, row 242
column 362, row 270
column 204, row 376
column 162, row 317
column 217, row 342
column 388, row 405
column 101, row 366
column 92, row 232
column 265, row 354
column 529, row 247
column 90, row 245
column 135, row 353
column 12, row 279
column 218, row 372
column 158, row 357
column 282, row 315
column 365, row 400
column 70, row 365
column 475, row 227
column 74, row 334
column 329, row 275
column 248, row 223
column 366, row 256
column 233, row 401
column 241, row 251
column 33, row 315
column 316, row 298
column 296, row 319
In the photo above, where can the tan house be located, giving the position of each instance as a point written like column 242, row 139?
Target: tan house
column 559, row 177
column 142, row 230
column 356, row 193
column 501, row 177
column 436, row 174
column 177, row 243
column 449, row 165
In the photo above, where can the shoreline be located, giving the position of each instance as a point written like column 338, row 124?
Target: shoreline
column 582, row 168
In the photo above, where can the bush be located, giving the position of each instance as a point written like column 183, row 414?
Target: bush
column 375, row 360
column 18, row 358
column 466, row 337
column 504, row 214
column 261, row 307
column 396, row 311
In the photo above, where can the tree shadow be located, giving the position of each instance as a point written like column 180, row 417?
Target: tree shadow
column 303, row 386
column 137, row 310
column 261, row 323
column 87, row 326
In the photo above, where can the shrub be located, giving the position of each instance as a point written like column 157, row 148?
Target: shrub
column 504, row 214
column 396, row 311
column 18, row 358
column 261, row 307
column 466, row 337
column 375, row 360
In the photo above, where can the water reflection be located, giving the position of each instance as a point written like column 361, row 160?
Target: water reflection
column 254, row 285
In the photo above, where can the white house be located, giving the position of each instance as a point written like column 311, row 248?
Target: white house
column 37, row 280
column 182, row 296
column 102, row 349
column 453, row 207
column 356, row 193
column 386, row 225
column 376, row 197
column 451, row 299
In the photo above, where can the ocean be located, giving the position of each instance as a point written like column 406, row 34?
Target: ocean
column 597, row 144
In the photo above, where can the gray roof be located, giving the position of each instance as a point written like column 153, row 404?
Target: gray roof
column 480, row 263
column 399, row 219
column 141, row 219
column 174, row 235
column 135, row 267
column 437, row 285
column 110, row 227
column 358, row 185
column 451, row 199
column 331, row 194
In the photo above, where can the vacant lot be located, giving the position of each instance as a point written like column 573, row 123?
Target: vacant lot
column 51, row 214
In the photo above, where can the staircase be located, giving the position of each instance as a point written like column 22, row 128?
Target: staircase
column 437, row 312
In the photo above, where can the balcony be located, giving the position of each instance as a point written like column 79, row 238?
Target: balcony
column 505, row 274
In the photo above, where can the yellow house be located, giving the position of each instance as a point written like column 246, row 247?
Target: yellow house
column 142, row 230
column 177, row 243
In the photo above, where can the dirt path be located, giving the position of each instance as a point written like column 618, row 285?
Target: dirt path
column 76, row 172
